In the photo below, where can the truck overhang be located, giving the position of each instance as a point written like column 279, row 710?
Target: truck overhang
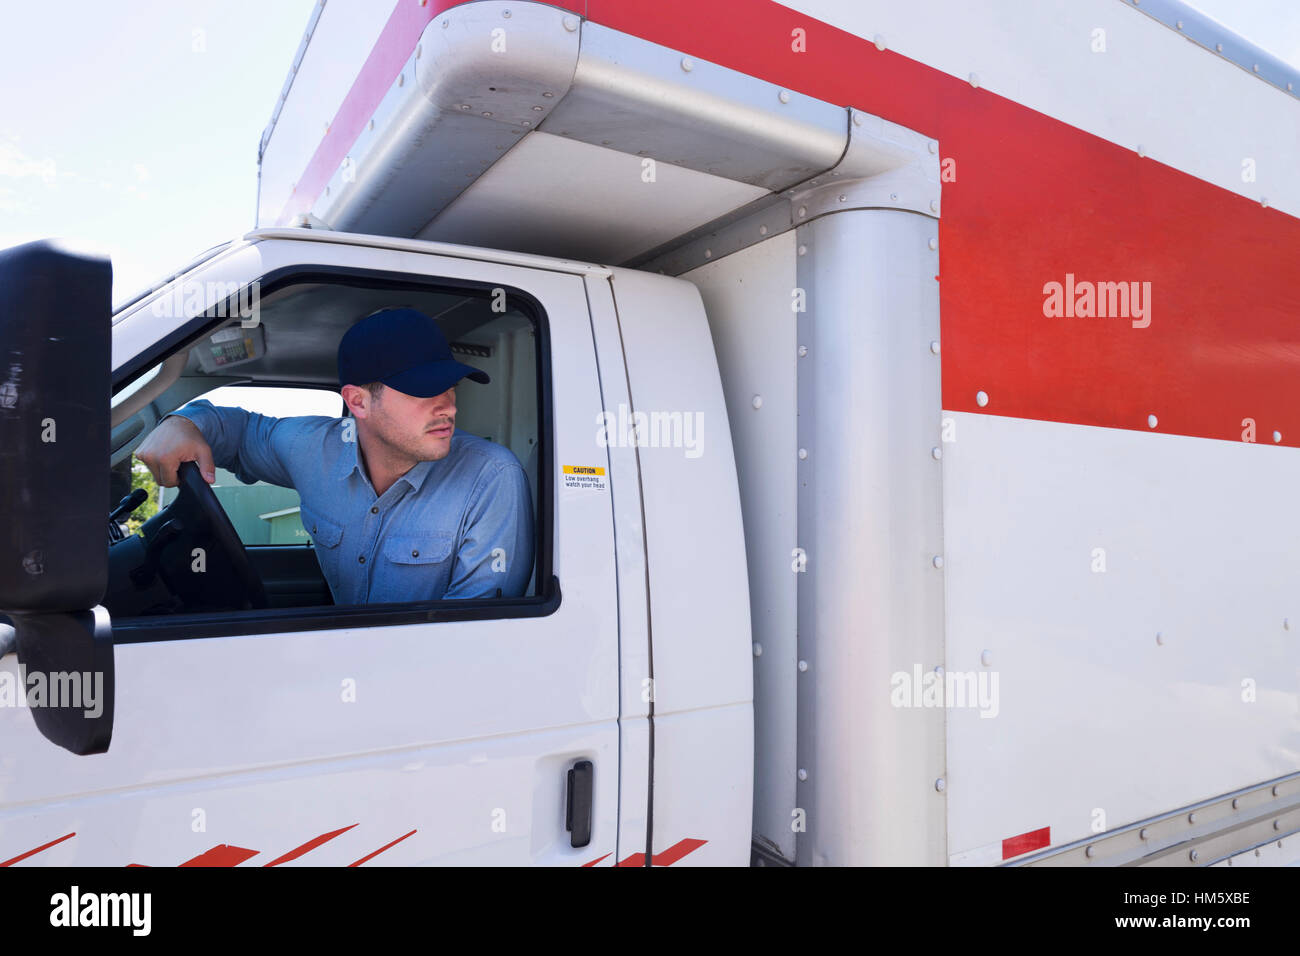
column 519, row 126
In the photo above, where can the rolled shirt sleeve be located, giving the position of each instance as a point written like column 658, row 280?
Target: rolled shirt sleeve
column 254, row 447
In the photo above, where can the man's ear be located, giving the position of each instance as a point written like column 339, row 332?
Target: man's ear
column 356, row 399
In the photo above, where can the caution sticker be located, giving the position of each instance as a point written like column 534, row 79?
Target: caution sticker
column 590, row 477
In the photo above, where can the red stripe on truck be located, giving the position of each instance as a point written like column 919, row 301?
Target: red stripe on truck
column 1034, row 202
column 226, row 854
column 394, row 47
column 45, row 846
column 675, row 852
column 1033, row 840
column 386, row 846
column 664, row 857
column 308, row 846
column 222, row 855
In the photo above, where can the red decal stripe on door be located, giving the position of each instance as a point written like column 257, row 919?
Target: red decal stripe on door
column 675, row 852
column 308, row 846
column 222, row 855
column 1033, row 840
column 666, row 857
column 23, row 856
column 371, row 856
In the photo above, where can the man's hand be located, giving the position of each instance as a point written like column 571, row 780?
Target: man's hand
column 174, row 441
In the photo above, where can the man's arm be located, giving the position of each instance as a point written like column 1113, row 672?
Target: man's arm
column 254, row 447
column 496, row 549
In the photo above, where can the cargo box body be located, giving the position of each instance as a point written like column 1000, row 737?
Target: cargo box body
column 1013, row 386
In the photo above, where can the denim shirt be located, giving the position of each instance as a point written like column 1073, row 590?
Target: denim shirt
column 458, row 527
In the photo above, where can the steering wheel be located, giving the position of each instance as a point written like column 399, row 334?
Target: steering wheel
column 192, row 484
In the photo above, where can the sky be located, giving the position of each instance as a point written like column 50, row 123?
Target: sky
column 133, row 126
column 1273, row 25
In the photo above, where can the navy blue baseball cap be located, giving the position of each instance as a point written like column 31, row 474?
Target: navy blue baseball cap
column 404, row 349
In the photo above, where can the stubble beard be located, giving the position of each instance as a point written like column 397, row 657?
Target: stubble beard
column 401, row 446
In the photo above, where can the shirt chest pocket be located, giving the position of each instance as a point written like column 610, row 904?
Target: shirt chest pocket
column 324, row 533
column 417, row 567
column 418, row 549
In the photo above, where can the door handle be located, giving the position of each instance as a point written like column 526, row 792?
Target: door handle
column 577, row 813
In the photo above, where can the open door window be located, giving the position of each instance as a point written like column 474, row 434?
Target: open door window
column 268, row 348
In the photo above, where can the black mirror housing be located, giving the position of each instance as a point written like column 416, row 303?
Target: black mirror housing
column 73, row 655
column 55, row 389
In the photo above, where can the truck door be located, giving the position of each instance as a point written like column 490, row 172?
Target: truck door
column 482, row 731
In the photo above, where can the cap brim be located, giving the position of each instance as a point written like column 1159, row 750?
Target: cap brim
column 434, row 378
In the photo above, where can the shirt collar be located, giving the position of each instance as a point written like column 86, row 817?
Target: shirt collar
column 415, row 477
column 349, row 461
column 350, row 464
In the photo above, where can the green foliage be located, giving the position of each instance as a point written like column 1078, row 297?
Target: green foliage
column 140, row 478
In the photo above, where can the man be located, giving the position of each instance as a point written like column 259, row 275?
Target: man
column 401, row 505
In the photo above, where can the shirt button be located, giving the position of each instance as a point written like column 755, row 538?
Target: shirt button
column 361, row 558
column 374, row 511
column 313, row 529
column 415, row 554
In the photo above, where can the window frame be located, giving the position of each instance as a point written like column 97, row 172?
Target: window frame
column 171, row 627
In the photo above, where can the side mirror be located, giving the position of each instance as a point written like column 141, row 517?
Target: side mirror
column 55, row 385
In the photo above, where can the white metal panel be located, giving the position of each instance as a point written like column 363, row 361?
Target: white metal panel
column 634, row 762
column 630, row 562
column 149, row 318
column 644, row 99
column 748, row 297
column 1151, row 88
column 431, row 248
column 870, row 523
column 451, row 722
column 567, row 198
column 1121, row 692
column 704, row 768
column 343, row 37
column 455, row 106
column 699, row 601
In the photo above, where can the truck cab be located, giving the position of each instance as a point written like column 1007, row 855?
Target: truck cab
column 497, row 730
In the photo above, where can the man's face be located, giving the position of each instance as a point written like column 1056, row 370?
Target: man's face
column 416, row 428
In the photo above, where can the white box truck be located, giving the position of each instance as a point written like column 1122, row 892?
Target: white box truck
column 909, row 398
